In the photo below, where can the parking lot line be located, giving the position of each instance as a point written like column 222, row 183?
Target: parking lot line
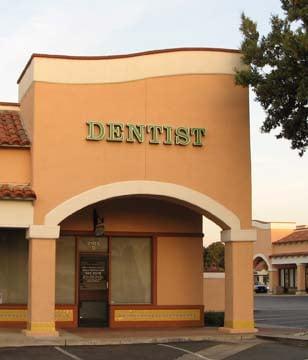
column 185, row 351
column 67, row 353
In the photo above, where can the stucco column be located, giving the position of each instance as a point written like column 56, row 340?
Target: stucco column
column 300, row 279
column 41, row 281
column 239, row 306
column 273, row 281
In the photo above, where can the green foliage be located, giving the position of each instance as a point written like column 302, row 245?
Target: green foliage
column 278, row 71
column 212, row 318
column 214, row 256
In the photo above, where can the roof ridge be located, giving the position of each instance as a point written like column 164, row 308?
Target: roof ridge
column 297, row 235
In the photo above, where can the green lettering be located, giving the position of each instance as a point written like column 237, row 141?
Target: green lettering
column 115, row 132
column 96, row 130
column 135, row 132
column 155, row 131
column 182, row 136
column 198, row 133
column 168, row 140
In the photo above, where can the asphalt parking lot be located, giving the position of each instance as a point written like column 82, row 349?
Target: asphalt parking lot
column 205, row 350
column 281, row 311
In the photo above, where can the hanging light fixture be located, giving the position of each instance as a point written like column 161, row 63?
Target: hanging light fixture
column 99, row 227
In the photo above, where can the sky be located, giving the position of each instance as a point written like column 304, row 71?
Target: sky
column 104, row 27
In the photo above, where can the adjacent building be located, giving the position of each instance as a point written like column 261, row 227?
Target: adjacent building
column 282, row 251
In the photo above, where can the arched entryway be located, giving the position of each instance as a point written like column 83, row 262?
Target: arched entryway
column 261, row 267
column 238, row 313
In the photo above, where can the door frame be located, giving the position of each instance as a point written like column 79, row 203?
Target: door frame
column 99, row 253
column 110, row 234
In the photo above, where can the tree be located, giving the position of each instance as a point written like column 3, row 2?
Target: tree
column 278, row 71
column 214, row 256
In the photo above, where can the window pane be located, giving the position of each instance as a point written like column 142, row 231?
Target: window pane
column 282, row 277
column 286, row 278
column 130, row 270
column 13, row 267
column 65, row 270
column 292, row 282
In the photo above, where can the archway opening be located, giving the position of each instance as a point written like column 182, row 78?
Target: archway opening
column 148, row 255
column 261, row 271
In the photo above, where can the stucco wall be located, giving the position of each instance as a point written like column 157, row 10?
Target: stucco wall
column 179, row 258
column 267, row 236
column 137, row 214
column 179, row 271
column 75, row 165
column 298, row 247
column 263, row 245
column 15, row 166
column 214, row 292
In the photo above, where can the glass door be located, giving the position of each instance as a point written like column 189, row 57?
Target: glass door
column 93, row 289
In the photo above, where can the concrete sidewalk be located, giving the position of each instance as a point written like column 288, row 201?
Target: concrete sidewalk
column 284, row 335
column 83, row 336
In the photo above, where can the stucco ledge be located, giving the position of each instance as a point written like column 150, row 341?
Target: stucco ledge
column 43, row 232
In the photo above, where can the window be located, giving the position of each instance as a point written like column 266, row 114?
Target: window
column 13, row 266
column 287, row 277
column 131, row 267
column 65, row 270
column 292, row 277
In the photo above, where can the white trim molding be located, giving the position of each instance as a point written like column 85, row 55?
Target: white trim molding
column 238, row 235
column 287, row 260
column 43, row 232
column 74, row 70
column 196, row 200
column 213, row 275
column 9, row 106
column 263, row 225
column 265, row 258
column 16, row 213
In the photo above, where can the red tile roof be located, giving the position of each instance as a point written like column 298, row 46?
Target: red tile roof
column 16, row 192
column 12, row 133
column 295, row 236
column 302, row 253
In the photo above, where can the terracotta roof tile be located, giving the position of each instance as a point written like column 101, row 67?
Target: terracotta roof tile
column 12, row 132
column 295, row 236
column 16, row 192
column 302, row 253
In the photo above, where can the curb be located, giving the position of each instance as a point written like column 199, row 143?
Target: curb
column 123, row 341
column 284, row 339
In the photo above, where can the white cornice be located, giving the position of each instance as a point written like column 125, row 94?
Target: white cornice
column 213, row 275
column 262, row 225
column 239, row 235
column 285, row 260
column 63, row 70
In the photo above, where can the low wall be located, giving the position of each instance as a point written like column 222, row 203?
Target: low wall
column 214, row 291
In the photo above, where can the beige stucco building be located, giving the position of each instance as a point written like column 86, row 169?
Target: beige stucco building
column 283, row 248
column 110, row 164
